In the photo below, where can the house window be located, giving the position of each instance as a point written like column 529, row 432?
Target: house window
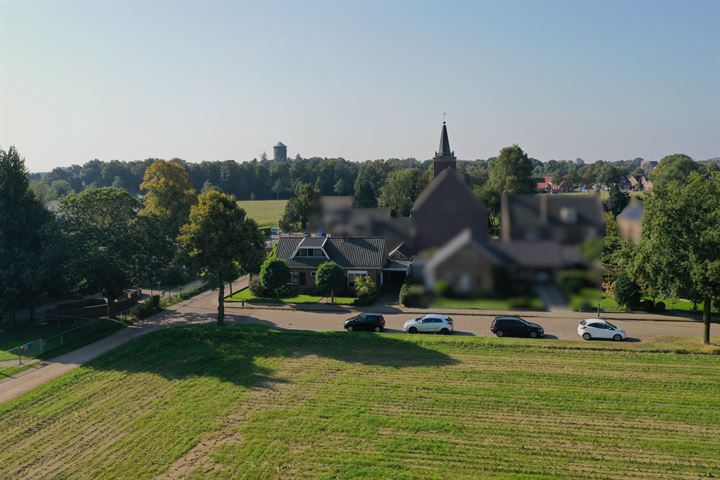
column 312, row 274
column 295, row 278
column 568, row 215
column 302, row 252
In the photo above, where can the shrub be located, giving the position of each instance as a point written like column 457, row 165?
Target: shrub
column 366, row 290
column 519, row 302
column 646, row 305
column 660, row 307
column 288, row 290
column 274, row 273
column 413, row 296
column 627, row 292
column 257, row 289
column 149, row 307
column 443, row 288
column 571, row 281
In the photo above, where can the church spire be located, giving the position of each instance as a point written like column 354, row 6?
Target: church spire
column 444, row 150
column 444, row 157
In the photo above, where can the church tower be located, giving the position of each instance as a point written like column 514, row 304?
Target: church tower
column 444, row 157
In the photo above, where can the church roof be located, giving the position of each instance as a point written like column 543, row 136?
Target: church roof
column 280, row 144
column 444, row 149
column 447, row 186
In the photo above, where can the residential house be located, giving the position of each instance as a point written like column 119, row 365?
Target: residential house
column 636, row 183
column 357, row 256
column 544, row 184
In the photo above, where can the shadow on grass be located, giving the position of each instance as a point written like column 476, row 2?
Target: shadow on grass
column 231, row 352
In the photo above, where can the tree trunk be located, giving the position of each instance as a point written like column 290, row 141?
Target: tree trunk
column 706, row 320
column 221, row 301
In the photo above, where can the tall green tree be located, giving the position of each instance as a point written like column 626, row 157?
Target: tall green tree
column 99, row 228
column 401, row 189
column 170, row 194
column 24, row 237
column 274, row 274
column 217, row 235
column 300, row 208
column 679, row 252
column 617, row 200
column 674, row 168
column 510, row 172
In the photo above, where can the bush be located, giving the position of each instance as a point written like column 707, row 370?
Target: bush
column 288, row 290
column 646, row 305
column 413, row 296
column 627, row 292
column 519, row 302
column 572, row 282
column 443, row 288
column 366, row 291
column 149, row 307
column 660, row 307
column 257, row 289
column 274, row 274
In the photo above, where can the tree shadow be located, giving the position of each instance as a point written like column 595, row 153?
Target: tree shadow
column 231, row 352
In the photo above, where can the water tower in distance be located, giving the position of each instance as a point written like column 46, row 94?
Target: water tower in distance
column 280, row 151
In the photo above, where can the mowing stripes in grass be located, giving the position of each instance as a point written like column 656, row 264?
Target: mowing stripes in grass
column 245, row 401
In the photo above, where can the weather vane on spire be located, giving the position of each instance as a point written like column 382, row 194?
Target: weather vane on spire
column 444, row 115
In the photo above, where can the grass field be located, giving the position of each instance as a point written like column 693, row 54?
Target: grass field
column 608, row 304
column 265, row 212
column 246, row 401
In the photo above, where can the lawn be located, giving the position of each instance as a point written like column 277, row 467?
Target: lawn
column 247, row 401
column 248, row 296
column 608, row 304
column 265, row 212
column 532, row 303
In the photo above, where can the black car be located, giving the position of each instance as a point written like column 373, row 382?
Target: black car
column 372, row 322
column 516, row 327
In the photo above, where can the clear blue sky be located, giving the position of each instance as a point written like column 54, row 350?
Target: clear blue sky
column 601, row 80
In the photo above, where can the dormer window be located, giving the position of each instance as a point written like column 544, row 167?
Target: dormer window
column 310, row 252
column 568, row 215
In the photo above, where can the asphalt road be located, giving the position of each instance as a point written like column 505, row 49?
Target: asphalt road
column 556, row 325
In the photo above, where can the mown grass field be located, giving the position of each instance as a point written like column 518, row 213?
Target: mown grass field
column 265, row 212
column 246, row 401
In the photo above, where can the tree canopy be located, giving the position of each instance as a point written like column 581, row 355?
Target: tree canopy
column 217, row 235
column 169, row 194
column 330, row 277
column 300, row 208
column 679, row 252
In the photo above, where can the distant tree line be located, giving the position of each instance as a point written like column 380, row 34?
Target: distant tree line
column 269, row 179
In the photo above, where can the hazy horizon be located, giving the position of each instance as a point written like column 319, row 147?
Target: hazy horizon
column 222, row 81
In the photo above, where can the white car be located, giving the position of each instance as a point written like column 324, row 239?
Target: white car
column 430, row 323
column 597, row 328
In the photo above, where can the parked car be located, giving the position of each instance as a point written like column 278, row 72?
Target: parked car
column 516, row 327
column 372, row 322
column 597, row 328
column 430, row 323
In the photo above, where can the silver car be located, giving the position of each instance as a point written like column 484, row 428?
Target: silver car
column 430, row 323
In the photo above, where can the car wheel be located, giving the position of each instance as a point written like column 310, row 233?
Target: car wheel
column 378, row 329
column 533, row 334
column 412, row 330
column 617, row 337
column 587, row 336
column 500, row 333
column 349, row 328
column 445, row 331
